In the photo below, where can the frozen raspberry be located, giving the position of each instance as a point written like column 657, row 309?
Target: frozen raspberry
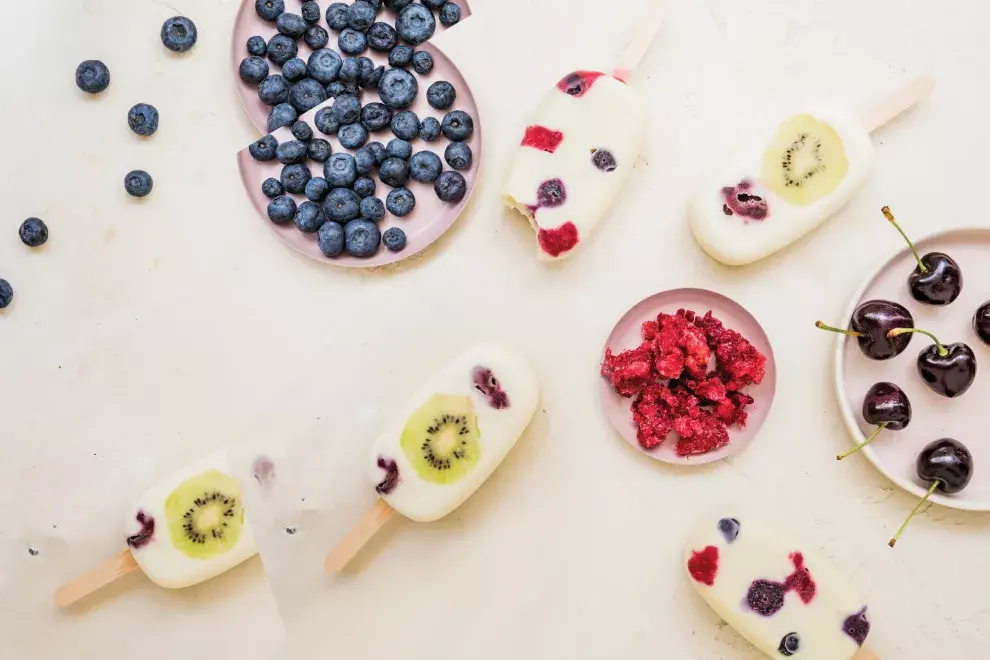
column 696, row 349
column 650, row 329
column 703, row 565
column 551, row 194
column 629, row 371
column 652, row 416
column 740, row 361
column 578, row 83
column 701, row 434
column 542, row 138
column 712, row 326
column 711, row 389
column 558, row 240
column 766, row 598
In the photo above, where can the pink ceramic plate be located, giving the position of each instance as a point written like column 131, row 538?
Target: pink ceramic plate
column 431, row 218
column 894, row 452
column 626, row 335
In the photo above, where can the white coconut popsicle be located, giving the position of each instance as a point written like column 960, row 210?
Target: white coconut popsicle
column 785, row 600
column 579, row 149
column 446, row 442
column 786, row 182
column 186, row 530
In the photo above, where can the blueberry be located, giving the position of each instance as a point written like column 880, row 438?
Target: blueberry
column 352, row 42
column 551, row 194
column 458, row 155
column 346, row 109
column 309, row 218
column 264, row 149
column 6, row 293
column 365, row 161
column 365, row 67
column 422, row 62
column 306, row 95
column 394, row 172
column 352, row 136
column 450, row 14
column 397, row 5
column 362, row 238
column 281, row 115
column 400, row 202
column 433, row 4
column 257, row 46
column 394, row 239
column 294, row 70
column 375, row 4
column 857, row 626
column 789, row 645
column 337, row 16
column 365, row 186
column 729, row 527
column 429, row 129
column 457, row 126
column 273, row 90
column 143, row 119
column 302, row 131
column 405, row 125
column 291, row 25
column 311, row 12
column 179, row 34
column 269, row 10
column 360, row 16
column 316, row 37
column 281, row 49
column 350, row 70
column 398, row 89
column 397, row 148
column 342, row 205
column 92, row 76
column 33, row 232
column 377, row 150
column 340, row 171
column 764, row 597
column 382, row 37
column 331, row 239
column 324, row 65
column 295, row 177
column 441, row 95
column 138, row 183
column 319, row 150
column 291, row 152
column 425, row 167
column 326, row 122
column 415, row 24
column 450, row 187
column 281, row 209
column 604, row 160
column 371, row 80
column 253, row 69
column 272, row 188
column 372, row 209
column 376, row 116
column 400, row 56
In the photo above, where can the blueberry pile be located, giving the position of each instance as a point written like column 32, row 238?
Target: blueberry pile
column 341, row 206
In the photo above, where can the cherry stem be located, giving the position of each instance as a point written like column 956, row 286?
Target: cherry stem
column 942, row 351
column 913, row 513
column 890, row 217
column 851, row 333
column 863, row 443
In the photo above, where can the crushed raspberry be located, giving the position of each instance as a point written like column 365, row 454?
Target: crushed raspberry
column 739, row 360
column 578, row 83
column 542, row 138
column 558, row 240
column 703, row 565
column 629, row 371
column 701, row 434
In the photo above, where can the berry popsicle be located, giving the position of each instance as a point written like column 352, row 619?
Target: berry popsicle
column 786, row 182
column 446, row 442
column 772, row 591
column 186, row 530
column 579, row 150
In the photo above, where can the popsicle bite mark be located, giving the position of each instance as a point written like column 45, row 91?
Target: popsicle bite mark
column 738, row 200
column 703, row 565
column 147, row 532
column 857, row 626
column 578, row 83
column 558, row 240
column 391, row 479
column 551, row 194
column 542, row 138
column 486, row 383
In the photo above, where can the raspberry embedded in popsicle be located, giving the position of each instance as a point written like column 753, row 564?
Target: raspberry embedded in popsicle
column 703, row 565
column 542, row 138
column 559, row 240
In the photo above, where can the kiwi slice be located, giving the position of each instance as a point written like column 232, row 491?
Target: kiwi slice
column 205, row 515
column 441, row 439
column 805, row 160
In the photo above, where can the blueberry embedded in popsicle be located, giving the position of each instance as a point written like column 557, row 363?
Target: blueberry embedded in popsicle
column 551, row 194
column 937, row 279
column 604, row 160
column 789, row 644
column 147, row 532
column 857, row 626
column 729, row 527
column 739, row 200
column 578, row 83
column 391, row 479
column 486, row 383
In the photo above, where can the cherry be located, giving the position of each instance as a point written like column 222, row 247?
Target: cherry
column 871, row 325
column 937, row 279
column 886, row 405
column 948, row 465
column 947, row 370
column 981, row 323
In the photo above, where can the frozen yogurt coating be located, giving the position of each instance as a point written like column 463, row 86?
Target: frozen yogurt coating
column 575, row 156
column 781, row 186
column 191, row 527
column 454, row 432
column 785, row 600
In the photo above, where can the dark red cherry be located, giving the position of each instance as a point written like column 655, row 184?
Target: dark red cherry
column 948, row 370
column 981, row 323
column 937, row 279
column 871, row 324
column 887, row 406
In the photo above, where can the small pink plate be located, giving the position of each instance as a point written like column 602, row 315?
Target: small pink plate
column 894, row 453
column 627, row 334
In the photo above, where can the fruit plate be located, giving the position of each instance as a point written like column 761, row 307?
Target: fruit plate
column 626, row 335
column 933, row 416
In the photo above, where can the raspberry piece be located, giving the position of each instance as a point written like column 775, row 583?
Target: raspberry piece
column 703, row 565
column 542, row 138
column 740, row 360
column 629, row 371
column 712, row 326
column 695, row 345
column 711, row 389
column 650, row 329
column 559, row 240
column 700, row 435
column 800, row 580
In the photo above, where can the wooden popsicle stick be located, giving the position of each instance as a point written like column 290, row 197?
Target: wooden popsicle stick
column 896, row 104
column 358, row 537
column 95, row 579
column 645, row 34
column 866, row 654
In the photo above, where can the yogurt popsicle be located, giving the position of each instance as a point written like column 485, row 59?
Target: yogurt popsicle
column 447, row 441
column 785, row 600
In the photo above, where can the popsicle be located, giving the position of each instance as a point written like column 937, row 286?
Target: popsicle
column 787, row 181
column 187, row 529
column 446, row 442
column 579, row 149
column 784, row 599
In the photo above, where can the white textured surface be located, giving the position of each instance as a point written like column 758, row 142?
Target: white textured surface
column 180, row 324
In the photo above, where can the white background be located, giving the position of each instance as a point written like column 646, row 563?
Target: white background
column 148, row 333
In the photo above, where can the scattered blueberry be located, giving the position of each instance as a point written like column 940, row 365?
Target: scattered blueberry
column 729, row 527
column 324, row 65
column 458, row 155
column 143, row 119
column 415, row 24
column 273, row 90
column 295, row 177
column 457, row 126
column 281, row 115
column 394, row 172
column 317, row 189
column 398, row 148
column 398, row 89
column 352, row 42
column 269, row 10
column 352, row 136
column 342, row 205
column 294, row 70
column 291, row 25
column 425, row 167
column 397, row 5
column 340, row 171
column 331, row 239
column 264, row 149
column 272, row 188
column 365, row 161
column 311, row 12
column 306, row 95
column 282, row 48
column 382, row 37
column 302, row 131
column 434, row 4
column 350, row 70
column 365, row 186
column 281, row 210
column 138, row 183
column 6, row 293
column 360, row 16
column 429, row 129
column 441, row 95
column 326, row 122
column 253, row 69
column 319, row 150
column 257, row 46
column 377, row 150
column 179, row 34
column 400, row 56
column 405, row 125
column 362, row 238
column 373, row 77
column 309, row 217
column 346, row 109
column 316, row 37
column 33, row 232
column 291, row 152
column 365, row 67
column 789, row 645
column 337, row 88
column 400, row 202
column 92, row 76
column 604, row 160
column 376, row 116
column 372, row 209
column 337, row 16
column 375, row 4
column 394, row 239
column 450, row 187
column 422, row 62
column 450, row 14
